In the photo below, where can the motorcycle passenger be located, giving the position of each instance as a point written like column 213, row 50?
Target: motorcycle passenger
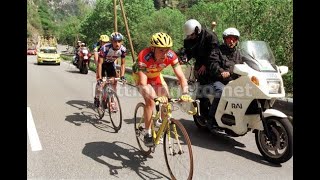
column 213, row 25
column 147, row 75
column 202, row 45
column 108, row 53
column 223, row 70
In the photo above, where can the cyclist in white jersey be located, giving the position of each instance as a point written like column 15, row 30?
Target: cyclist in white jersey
column 108, row 54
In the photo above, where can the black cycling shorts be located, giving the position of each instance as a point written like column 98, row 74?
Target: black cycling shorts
column 108, row 69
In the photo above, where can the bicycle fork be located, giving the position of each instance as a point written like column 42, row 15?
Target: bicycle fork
column 175, row 133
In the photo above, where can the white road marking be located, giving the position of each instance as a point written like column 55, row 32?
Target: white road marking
column 32, row 132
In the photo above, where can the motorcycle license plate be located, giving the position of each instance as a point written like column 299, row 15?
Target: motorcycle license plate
column 85, row 57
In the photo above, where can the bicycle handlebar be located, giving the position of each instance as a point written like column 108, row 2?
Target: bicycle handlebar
column 195, row 104
column 112, row 78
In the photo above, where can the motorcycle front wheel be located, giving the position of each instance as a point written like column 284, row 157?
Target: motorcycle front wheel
column 200, row 122
column 279, row 148
column 85, row 69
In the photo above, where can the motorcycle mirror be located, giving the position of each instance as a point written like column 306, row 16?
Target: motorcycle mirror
column 283, row 70
column 241, row 69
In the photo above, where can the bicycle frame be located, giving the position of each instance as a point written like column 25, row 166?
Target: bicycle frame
column 165, row 122
column 166, row 110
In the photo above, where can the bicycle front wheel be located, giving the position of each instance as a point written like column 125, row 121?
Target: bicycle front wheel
column 101, row 109
column 114, row 109
column 178, row 151
column 139, row 128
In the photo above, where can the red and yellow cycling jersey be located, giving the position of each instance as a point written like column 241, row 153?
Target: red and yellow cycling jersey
column 147, row 64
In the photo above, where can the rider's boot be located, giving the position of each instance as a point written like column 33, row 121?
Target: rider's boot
column 212, row 123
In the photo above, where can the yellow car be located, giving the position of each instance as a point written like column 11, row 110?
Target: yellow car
column 48, row 55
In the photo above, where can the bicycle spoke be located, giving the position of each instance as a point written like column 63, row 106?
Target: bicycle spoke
column 178, row 151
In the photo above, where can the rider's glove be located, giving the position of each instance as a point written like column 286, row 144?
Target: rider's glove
column 183, row 59
column 186, row 97
column 162, row 99
column 99, row 82
column 122, row 78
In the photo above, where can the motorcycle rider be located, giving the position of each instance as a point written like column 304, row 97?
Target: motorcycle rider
column 203, row 45
column 76, row 50
column 147, row 75
column 223, row 70
column 82, row 47
column 108, row 53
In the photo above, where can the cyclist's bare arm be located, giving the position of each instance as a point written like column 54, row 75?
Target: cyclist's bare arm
column 99, row 68
column 182, row 79
column 122, row 69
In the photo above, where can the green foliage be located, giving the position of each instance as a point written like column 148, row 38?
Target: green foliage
column 165, row 20
column 267, row 20
column 270, row 21
column 99, row 21
column 68, row 31
column 46, row 18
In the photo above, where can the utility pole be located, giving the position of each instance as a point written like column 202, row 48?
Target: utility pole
column 115, row 15
column 127, row 29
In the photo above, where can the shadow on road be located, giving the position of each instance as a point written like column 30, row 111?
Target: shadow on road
column 220, row 142
column 73, row 71
column 129, row 121
column 129, row 157
column 84, row 116
column 45, row 64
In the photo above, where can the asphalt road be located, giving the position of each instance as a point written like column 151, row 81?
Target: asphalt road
column 66, row 141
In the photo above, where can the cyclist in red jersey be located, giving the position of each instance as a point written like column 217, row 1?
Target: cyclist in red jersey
column 147, row 74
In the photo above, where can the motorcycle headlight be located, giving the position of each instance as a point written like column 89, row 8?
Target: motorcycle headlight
column 274, row 87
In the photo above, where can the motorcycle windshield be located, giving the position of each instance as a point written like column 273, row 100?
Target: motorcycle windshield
column 258, row 55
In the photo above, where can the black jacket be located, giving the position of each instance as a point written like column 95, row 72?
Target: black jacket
column 204, row 49
column 227, row 59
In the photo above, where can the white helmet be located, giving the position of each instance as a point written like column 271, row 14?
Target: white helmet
column 231, row 32
column 190, row 26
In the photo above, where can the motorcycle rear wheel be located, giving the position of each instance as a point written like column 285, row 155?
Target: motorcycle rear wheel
column 281, row 150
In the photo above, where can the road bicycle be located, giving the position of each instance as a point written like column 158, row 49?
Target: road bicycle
column 171, row 133
column 110, row 102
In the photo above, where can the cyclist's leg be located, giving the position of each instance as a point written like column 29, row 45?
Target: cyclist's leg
column 99, row 87
column 160, row 86
column 148, row 93
column 111, row 71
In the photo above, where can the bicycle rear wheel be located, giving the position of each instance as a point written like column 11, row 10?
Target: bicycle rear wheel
column 178, row 151
column 114, row 109
column 139, row 128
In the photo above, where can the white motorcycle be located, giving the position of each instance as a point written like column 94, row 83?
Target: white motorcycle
column 246, row 103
